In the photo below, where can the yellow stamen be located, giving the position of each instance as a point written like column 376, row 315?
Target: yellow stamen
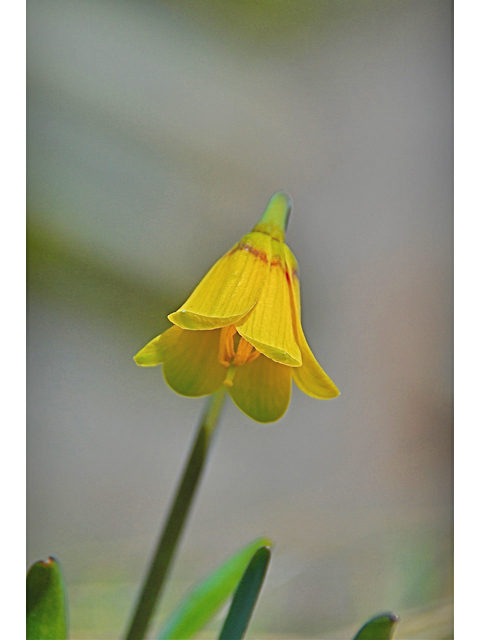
column 244, row 353
column 228, row 355
column 253, row 356
column 226, row 350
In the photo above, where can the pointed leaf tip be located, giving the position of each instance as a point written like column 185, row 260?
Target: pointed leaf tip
column 381, row 627
column 246, row 596
column 46, row 601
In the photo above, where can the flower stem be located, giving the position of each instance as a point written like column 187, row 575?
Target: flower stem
column 172, row 531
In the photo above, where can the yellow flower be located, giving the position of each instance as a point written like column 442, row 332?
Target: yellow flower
column 241, row 327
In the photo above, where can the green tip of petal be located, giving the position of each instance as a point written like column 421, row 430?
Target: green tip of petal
column 275, row 219
column 151, row 354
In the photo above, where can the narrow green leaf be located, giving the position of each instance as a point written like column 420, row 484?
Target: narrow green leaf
column 380, row 627
column 205, row 599
column 151, row 590
column 246, row 596
column 46, row 602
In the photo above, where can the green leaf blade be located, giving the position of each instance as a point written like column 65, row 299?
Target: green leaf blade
column 205, row 599
column 152, row 587
column 381, row 627
column 246, row 596
column 46, row 602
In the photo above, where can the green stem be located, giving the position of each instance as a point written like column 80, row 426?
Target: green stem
column 172, row 531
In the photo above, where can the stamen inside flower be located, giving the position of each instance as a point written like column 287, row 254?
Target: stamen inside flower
column 245, row 353
column 226, row 349
column 234, row 349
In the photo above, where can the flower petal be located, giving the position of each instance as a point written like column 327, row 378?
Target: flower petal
column 190, row 360
column 269, row 326
column 310, row 377
column 154, row 352
column 231, row 287
column 191, row 366
column 262, row 388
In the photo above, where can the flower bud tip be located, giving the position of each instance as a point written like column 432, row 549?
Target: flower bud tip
column 275, row 219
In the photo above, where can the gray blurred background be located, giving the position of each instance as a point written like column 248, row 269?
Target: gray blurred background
column 157, row 132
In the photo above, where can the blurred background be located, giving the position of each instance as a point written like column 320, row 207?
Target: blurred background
column 157, row 132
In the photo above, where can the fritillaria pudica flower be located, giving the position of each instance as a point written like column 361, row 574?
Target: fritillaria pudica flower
column 241, row 327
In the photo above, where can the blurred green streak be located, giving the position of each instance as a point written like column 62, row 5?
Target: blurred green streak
column 78, row 279
column 270, row 27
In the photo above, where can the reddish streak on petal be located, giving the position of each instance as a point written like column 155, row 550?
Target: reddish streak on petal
column 243, row 246
column 261, row 255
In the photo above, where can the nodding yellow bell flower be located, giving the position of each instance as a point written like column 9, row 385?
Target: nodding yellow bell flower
column 241, row 327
